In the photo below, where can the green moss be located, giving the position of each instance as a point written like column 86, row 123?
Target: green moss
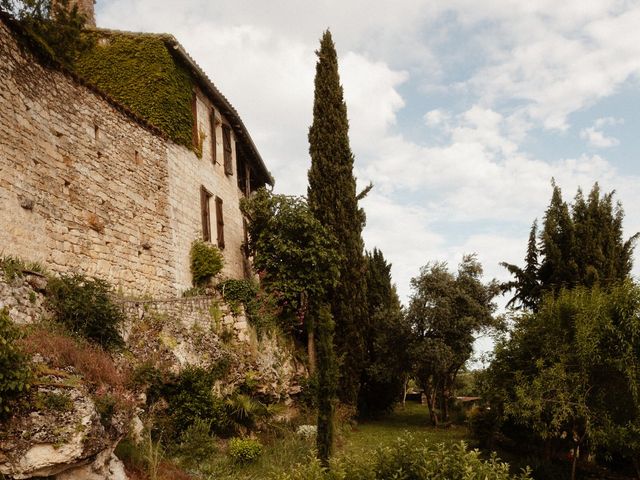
column 140, row 72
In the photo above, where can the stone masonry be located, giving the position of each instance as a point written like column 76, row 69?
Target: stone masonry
column 85, row 185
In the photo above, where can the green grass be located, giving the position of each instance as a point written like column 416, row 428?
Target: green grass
column 282, row 453
column 366, row 437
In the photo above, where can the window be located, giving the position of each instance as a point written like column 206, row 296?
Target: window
column 214, row 158
column 205, row 196
column 226, row 143
column 220, row 223
column 194, row 111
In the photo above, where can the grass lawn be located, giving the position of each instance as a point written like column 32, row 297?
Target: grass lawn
column 414, row 418
column 280, row 454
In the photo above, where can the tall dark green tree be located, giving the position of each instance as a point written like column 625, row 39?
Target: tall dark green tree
column 387, row 339
column 579, row 245
column 526, row 283
column 333, row 200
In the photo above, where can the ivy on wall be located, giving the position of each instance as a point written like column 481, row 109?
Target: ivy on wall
column 140, row 72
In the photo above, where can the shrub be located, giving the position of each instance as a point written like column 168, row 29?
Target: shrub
column 238, row 291
column 206, row 262
column 15, row 371
column 244, row 450
column 409, row 458
column 196, row 443
column 190, row 397
column 84, row 306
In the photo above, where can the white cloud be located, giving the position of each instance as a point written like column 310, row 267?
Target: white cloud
column 596, row 137
column 434, row 118
column 477, row 188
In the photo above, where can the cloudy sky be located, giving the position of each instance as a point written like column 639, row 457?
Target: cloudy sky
column 461, row 111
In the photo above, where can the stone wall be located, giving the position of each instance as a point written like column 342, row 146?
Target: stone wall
column 187, row 174
column 86, row 186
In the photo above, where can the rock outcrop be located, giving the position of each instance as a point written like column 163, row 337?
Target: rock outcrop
column 58, row 432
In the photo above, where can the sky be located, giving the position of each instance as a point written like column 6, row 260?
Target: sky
column 461, row 112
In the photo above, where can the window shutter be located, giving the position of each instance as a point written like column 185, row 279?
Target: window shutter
column 204, row 208
column 214, row 153
column 226, row 140
column 220, row 222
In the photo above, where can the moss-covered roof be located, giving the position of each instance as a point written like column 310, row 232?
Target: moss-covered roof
column 153, row 75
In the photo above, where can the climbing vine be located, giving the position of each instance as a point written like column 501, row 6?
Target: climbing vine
column 140, row 72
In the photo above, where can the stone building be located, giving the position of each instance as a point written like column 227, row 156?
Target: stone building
column 92, row 180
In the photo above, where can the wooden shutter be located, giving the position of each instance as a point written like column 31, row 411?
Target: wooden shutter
column 206, row 217
column 226, row 141
column 214, row 153
column 220, row 222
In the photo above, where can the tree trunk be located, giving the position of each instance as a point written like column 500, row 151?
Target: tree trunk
column 404, row 394
column 574, row 463
column 311, row 351
column 445, row 402
column 431, row 394
column 636, row 464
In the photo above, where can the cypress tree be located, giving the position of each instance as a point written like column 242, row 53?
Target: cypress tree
column 327, row 373
column 332, row 199
column 579, row 246
column 387, row 340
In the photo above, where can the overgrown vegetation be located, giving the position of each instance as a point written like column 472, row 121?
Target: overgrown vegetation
column 565, row 382
column 14, row 267
column 125, row 65
column 206, row 262
column 15, row 370
column 409, row 458
column 84, row 305
column 53, row 29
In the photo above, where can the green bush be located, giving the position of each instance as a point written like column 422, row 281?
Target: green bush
column 411, row 459
column 190, row 398
column 197, row 444
column 85, row 307
column 15, row 372
column 238, row 291
column 244, row 450
column 206, row 262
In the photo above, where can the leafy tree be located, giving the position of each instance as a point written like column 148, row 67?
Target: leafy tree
column 56, row 27
column 445, row 312
column 333, row 201
column 387, row 339
column 298, row 260
column 578, row 245
column 570, row 373
column 296, row 256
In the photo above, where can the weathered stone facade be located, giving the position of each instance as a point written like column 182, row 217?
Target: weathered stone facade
column 85, row 185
